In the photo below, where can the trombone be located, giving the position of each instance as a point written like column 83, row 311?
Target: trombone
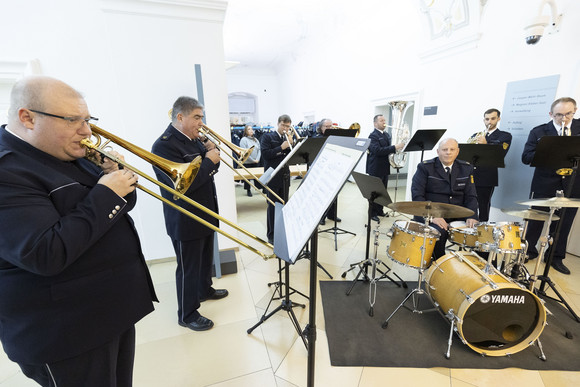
column 242, row 154
column 165, row 165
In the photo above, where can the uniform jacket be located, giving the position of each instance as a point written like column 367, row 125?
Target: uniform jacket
column 272, row 156
column 487, row 176
column 430, row 183
column 72, row 274
column 546, row 181
column 175, row 146
column 378, row 154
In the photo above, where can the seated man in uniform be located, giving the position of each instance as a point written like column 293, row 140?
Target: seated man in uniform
column 445, row 180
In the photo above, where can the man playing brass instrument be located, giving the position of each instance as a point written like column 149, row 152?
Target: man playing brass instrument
column 192, row 241
column 378, row 157
column 486, row 178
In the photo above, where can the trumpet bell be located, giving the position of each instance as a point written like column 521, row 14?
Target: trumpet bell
column 181, row 174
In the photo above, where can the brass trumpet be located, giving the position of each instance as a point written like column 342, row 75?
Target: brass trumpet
column 165, row 165
column 242, row 154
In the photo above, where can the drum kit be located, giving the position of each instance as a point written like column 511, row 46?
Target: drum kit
column 489, row 306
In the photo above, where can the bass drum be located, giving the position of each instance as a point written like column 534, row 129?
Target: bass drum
column 495, row 316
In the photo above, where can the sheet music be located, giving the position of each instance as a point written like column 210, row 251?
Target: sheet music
column 303, row 211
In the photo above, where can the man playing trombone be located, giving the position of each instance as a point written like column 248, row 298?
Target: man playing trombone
column 275, row 146
column 193, row 242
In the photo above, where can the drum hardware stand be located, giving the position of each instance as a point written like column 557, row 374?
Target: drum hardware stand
column 418, row 290
column 364, row 264
column 336, row 231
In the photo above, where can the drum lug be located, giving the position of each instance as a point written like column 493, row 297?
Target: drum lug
column 467, row 296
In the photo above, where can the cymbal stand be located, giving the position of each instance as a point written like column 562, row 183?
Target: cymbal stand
column 419, row 289
column 374, row 279
column 393, row 212
column 363, row 265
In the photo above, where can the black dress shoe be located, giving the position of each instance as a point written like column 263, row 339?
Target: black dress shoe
column 375, row 218
column 216, row 295
column 322, row 222
column 530, row 258
column 200, row 324
column 338, row 220
column 250, row 193
column 559, row 266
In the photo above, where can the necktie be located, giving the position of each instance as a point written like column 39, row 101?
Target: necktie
column 565, row 131
column 448, row 171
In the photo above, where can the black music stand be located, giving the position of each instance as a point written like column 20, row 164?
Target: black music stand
column 372, row 189
column 482, row 155
column 424, row 139
column 306, row 154
column 567, row 156
column 335, row 229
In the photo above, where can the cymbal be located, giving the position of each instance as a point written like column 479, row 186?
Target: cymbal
column 558, row 202
column 434, row 209
column 531, row 214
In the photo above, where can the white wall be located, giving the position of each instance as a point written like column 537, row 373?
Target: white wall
column 131, row 59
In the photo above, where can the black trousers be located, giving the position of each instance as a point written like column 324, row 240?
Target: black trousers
column 109, row 365
column 283, row 192
column 377, row 209
column 534, row 232
column 193, row 275
column 484, row 201
column 255, row 182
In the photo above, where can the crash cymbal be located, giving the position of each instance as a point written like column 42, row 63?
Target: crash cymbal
column 531, row 214
column 557, row 202
column 433, row 209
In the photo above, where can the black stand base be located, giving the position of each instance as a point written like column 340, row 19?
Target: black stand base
column 305, row 254
column 541, row 292
column 336, row 231
column 285, row 305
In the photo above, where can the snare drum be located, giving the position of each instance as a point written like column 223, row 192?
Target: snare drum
column 494, row 315
column 500, row 237
column 462, row 235
column 407, row 240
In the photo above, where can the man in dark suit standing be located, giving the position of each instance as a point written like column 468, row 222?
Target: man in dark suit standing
column 331, row 213
column 546, row 181
column 378, row 158
column 275, row 147
column 486, row 177
column 445, row 180
column 192, row 241
column 73, row 279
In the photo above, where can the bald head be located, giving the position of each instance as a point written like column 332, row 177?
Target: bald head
column 448, row 151
column 49, row 115
column 37, row 93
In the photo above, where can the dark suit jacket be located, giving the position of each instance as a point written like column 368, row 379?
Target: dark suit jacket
column 175, row 146
column 72, row 274
column 272, row 156
column 546, row 181
column 430, row 183
column 378, row 154
column 487, row 176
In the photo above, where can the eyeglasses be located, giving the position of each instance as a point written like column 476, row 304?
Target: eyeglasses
column 72, row 121
column 560, row 115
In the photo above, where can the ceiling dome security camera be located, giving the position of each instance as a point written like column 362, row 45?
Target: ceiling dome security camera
column 535, row 30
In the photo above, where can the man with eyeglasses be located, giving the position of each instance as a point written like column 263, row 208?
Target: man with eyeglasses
column 73, row 279
column 546, row 182
column 192, row 241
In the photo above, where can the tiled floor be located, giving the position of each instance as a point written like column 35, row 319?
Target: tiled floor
column 273, row 355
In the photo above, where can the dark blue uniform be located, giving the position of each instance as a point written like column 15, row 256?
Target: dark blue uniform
column 431, row 183
column 486, row 177
column 272, row 155
column 192, row 241
column 378, row 161
column 545, row 183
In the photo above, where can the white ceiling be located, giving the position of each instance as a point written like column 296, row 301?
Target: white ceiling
column 260, row 33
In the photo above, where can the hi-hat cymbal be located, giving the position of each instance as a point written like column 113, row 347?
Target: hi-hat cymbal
column 434, row 209
column 557, row 202
column 531, row 214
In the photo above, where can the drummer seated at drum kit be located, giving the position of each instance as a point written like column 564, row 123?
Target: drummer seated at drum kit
column 444, row 179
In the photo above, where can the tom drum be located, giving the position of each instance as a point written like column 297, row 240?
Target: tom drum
column 407, row 240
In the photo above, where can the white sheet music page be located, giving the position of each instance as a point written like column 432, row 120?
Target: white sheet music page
column 325, row 178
